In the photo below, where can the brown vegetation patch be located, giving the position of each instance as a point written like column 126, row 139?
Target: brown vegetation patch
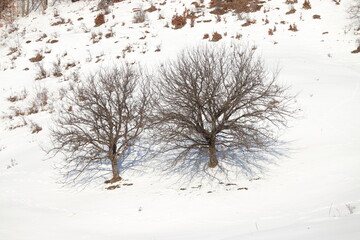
column 238, row 6
column 178, row 21
column 216, row 37
column 356, row 50
column 316, row 16
column 151, row 9
column 37, row 58
column 291, row 1
column 113, row 180
column 99, row 20
column 306, row 4
column 291, row 11
column 12, row 50
column 230, row 184
column 113, row 187
column 248, row 22
column 293, row 28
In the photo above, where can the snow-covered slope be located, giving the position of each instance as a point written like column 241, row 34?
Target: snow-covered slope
column 312, row 193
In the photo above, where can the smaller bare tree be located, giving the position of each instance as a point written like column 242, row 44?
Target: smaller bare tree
column 220, row 103
column 354, row 13
column 101, row 120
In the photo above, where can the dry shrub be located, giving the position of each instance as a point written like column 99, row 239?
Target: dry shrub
column 238, row 36
column 306, row 4
column 13, row 98
column 139, row 16
column 270, row 31
column 216, row 37
column 18, row 112
column 99, row 20
column 58, row 22
column 57, row 68
column 293, row 28
column 43, row 36
column 316, row 16
column 249, row 22
column 70, row 65
column 18, row 97
column 39, row 102
column 33, row 109
column 96, row 37
column 35, row 128
column 179, row 21
column 12, row 50
column 357, row 50
column 23, row 123
column 206, row 36
column 42, row 73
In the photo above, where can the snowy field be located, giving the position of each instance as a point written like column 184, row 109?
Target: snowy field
column 311, row 193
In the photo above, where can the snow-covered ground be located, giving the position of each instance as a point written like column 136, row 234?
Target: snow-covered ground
column 312, row 193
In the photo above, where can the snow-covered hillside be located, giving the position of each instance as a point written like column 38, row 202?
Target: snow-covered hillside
column 313, row 192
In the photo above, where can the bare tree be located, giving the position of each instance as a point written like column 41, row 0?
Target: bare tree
column 219, row 103
column 354, row 12
column 101, row 121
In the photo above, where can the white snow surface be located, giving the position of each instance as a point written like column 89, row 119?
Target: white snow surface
column 311, row 193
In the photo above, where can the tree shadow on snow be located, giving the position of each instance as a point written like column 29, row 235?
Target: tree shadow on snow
column 233, row 163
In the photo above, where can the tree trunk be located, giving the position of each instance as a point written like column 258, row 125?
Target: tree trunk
column 213, row 161
column 23, row 8
column 45, row 4
column 115, row 171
